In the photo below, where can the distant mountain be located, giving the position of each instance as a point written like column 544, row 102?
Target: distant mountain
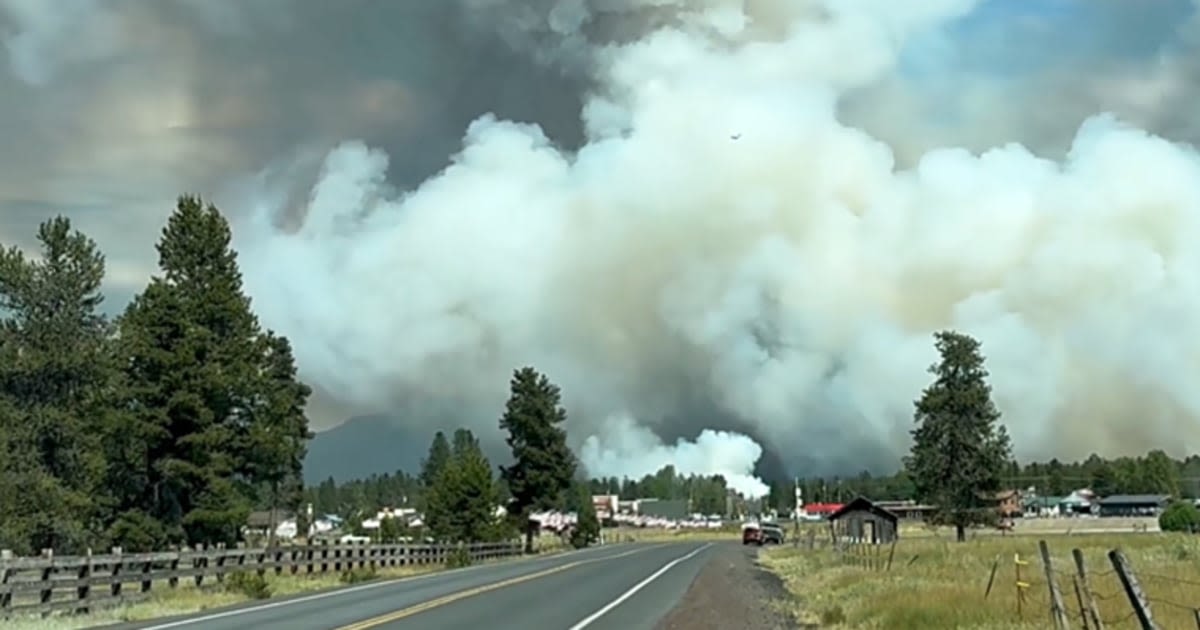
column 362, row 446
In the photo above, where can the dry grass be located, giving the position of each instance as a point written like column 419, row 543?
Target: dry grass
column 1042, row 527
column 936, row 583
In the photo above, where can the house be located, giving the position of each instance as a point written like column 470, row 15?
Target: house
column 1134, row 504
column 865, row 522
column 1043, row 507
column 907, row 510
column 1082, row 501
column 1008, row 503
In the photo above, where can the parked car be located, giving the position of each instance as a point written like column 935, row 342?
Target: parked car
column 751, row 534
column 771, row 534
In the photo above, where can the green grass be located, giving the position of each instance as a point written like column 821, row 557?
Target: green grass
column 937, row 583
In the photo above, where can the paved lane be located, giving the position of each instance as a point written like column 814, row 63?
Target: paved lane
column 622, row 593
column 555, row 593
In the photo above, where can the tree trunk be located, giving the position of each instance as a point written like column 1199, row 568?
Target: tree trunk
column 271, row 515
column 960, row 532
column 529, row 527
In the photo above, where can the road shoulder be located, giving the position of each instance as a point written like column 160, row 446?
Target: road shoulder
column 731, row 591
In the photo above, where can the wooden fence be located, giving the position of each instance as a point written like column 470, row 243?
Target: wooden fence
column 29, row 585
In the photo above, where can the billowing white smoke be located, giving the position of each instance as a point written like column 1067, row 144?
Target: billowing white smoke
column 622, row 452
column 721, row 227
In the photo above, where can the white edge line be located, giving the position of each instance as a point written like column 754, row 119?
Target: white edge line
column 341, row 591
column 590, row 619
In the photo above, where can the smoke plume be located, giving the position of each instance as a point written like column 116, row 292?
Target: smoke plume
column 753, row 211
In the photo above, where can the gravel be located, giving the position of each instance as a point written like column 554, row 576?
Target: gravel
column 731, row 592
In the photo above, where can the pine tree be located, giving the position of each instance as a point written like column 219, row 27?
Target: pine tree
column 435, row 461
column 216, row 411
column 959, row 446
column 543, row 465
column 587, row 523
column 55, row 378
column 461, row 502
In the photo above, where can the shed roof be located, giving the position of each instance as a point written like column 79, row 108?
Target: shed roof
column 1135, row 499
column 863, row 504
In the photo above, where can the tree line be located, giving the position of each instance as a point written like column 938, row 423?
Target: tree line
column 1152, row 473
column 164, row 425
column 169, row 423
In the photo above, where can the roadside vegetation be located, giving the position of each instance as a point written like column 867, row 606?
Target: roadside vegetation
column 938, row 583
column 956, row 571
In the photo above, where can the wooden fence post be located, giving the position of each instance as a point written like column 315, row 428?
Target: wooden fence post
column 1093, row 611
column 1133, row 589
column 992, row 577
column 5, row 576
column 1083, row 615
column 1058, row 609
column 83, row 591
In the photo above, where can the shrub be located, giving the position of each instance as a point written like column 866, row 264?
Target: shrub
column 1180, row 516
column 249, row 584
column 356, row 575
column 458, row 558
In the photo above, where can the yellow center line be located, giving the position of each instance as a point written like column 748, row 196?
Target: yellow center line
column 479, row 590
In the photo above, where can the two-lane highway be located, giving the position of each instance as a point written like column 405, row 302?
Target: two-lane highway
column 624, row 587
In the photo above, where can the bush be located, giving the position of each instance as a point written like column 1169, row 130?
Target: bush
column 1180, row 516
column 248, row 583
column 356, row 575
column 458, row 558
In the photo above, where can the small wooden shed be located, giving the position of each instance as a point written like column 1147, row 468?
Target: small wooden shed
column 862, row 521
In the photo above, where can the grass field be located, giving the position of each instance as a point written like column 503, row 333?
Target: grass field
column 936, row 583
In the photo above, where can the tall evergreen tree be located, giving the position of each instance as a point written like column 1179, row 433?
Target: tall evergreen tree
column 435, row 461
column 959, row 446
column 55, row 379
column 461, row 503
column 543, row 466
column 206, row 389
column 278, row 431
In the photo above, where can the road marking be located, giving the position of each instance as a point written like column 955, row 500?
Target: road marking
column 343, row 591
column 478, row 590
column 637, row 587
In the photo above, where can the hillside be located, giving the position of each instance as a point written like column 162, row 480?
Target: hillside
column 361, row 446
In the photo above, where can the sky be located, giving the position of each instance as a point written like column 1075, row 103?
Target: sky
column 112, row 108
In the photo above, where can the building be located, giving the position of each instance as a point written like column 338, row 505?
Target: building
column 821, row 510
column 1134, row 504
column 907, row 510
column 1043, row 507
column 1008, row 503
column 670, row 509
column 862, row 521
column 606, row 505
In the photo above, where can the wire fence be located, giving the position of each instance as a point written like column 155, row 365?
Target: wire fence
column 1082, row 591
column 1100, row 598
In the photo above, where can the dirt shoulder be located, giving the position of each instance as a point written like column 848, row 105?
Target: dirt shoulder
column 731, row 591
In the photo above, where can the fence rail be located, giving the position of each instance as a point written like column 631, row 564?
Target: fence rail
column 48, row 583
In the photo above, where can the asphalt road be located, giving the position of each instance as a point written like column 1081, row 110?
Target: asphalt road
column 617, row 587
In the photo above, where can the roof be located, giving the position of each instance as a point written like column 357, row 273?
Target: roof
column 863, row 504
column 820, row 508
column 262, row 518
column 1045, row 501
column 1144, row 499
